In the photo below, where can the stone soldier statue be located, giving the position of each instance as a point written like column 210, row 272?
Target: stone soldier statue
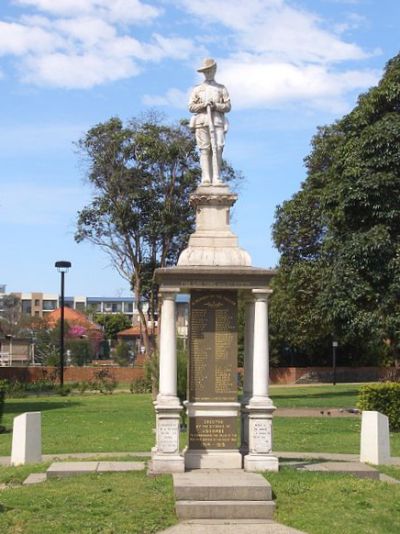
column 209, row 102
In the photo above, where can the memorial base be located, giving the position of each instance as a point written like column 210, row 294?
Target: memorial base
column 163, row 463
column 260, row 458
column 213, row 459
column 261, row 462
column 165, row 457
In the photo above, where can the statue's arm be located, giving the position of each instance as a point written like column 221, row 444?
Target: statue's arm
column 225, row 105
column 196, row 105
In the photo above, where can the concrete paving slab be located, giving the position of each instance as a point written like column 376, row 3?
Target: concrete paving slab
column 388, row 479
column 230, row 527
column 35, row 478
column 67, row 469
column 350, row 468
column 118, row 467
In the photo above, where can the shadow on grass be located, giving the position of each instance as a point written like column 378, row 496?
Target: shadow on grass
column 12, row 407
column 318, row 395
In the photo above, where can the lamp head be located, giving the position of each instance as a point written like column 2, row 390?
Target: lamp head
column 62, row 266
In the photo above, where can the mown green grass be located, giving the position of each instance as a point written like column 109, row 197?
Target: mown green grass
column 124, row 423
column 322, row 434
column 339, row 396
column 92, row 423
column 320, row 503
column 115, row 503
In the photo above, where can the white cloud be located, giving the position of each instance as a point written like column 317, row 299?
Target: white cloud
column 279, row 54
column 259, row 84
column 18, row 39
column 84, row 43
column 76, row 71
column 174, row 97
column 273, row 28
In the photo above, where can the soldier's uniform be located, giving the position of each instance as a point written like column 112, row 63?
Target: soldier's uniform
column 209, row 91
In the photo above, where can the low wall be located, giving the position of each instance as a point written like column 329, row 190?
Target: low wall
column 71, row 374
column 278, row 375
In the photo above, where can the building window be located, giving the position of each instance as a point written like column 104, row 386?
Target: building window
column 37, row 303
column 80, row 306
column 26, row 306
column 49, row 305
column 128, row 307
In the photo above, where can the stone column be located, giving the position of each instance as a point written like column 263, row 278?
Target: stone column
column 247, row 372
column 260, row 406
column 165, row 455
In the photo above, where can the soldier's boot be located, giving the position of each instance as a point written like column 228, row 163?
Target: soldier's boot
column 206, row 175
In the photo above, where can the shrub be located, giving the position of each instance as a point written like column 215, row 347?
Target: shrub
column 103, row 381
column 384, row 398
column 141, row 385
column 3, row 385
column 122, row 353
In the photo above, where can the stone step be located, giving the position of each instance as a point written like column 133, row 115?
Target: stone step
column 221, row 485
column 225, row 509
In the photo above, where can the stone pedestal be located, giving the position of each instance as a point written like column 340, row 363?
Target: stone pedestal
column 27, row 439
column 260, row 408
column 260, row 456
column 212, row 436
column 213, row 243
column 213, row 270
column 375, row 438
column 165, row 456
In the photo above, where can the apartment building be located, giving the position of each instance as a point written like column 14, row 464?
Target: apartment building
column 38, row 304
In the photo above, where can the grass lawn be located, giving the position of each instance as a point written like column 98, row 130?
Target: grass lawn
column 124, row 422
column 322, row 434
column 339, row 396
column 87, row 423
column 317, row 503
column 320, row 503
column 110, row 503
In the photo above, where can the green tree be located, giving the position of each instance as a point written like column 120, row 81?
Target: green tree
column 142, row 174
column 112, row 324
column 339, row 236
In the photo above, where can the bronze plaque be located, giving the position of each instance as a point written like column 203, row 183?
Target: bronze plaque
column 212, row 433
column 213, row 346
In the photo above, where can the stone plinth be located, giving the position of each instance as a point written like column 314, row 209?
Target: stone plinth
column 375, row 439
column 27, row 439
column 260, row 457
column 165, row 456
column 212, row 439
column 213, row 243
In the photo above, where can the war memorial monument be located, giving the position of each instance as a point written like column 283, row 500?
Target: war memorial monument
column 214, row 271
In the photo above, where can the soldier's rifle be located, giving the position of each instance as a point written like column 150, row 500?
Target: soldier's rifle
column 213, row 140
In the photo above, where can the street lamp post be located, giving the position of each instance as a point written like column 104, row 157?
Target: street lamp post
column 62, row 267
column 334, row 347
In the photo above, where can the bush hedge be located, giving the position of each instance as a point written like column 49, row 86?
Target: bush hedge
column 3, row 385
column 383, row 398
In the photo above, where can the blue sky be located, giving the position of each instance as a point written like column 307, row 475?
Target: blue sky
column 66, row 65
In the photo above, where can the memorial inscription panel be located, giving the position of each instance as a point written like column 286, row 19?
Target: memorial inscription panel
column 213, row 346
column 212, row 433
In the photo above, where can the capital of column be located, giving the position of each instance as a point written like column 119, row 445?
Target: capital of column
column 261, row 294
column 168, row 293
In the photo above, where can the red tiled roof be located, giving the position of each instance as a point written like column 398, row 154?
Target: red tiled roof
column 72, row 316
column 133, row 331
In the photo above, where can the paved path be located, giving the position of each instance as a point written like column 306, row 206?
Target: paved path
column 230, row 527
column 395, row 460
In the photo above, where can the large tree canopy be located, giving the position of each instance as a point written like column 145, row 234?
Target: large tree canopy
column 142, row 174
column 339, row 236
